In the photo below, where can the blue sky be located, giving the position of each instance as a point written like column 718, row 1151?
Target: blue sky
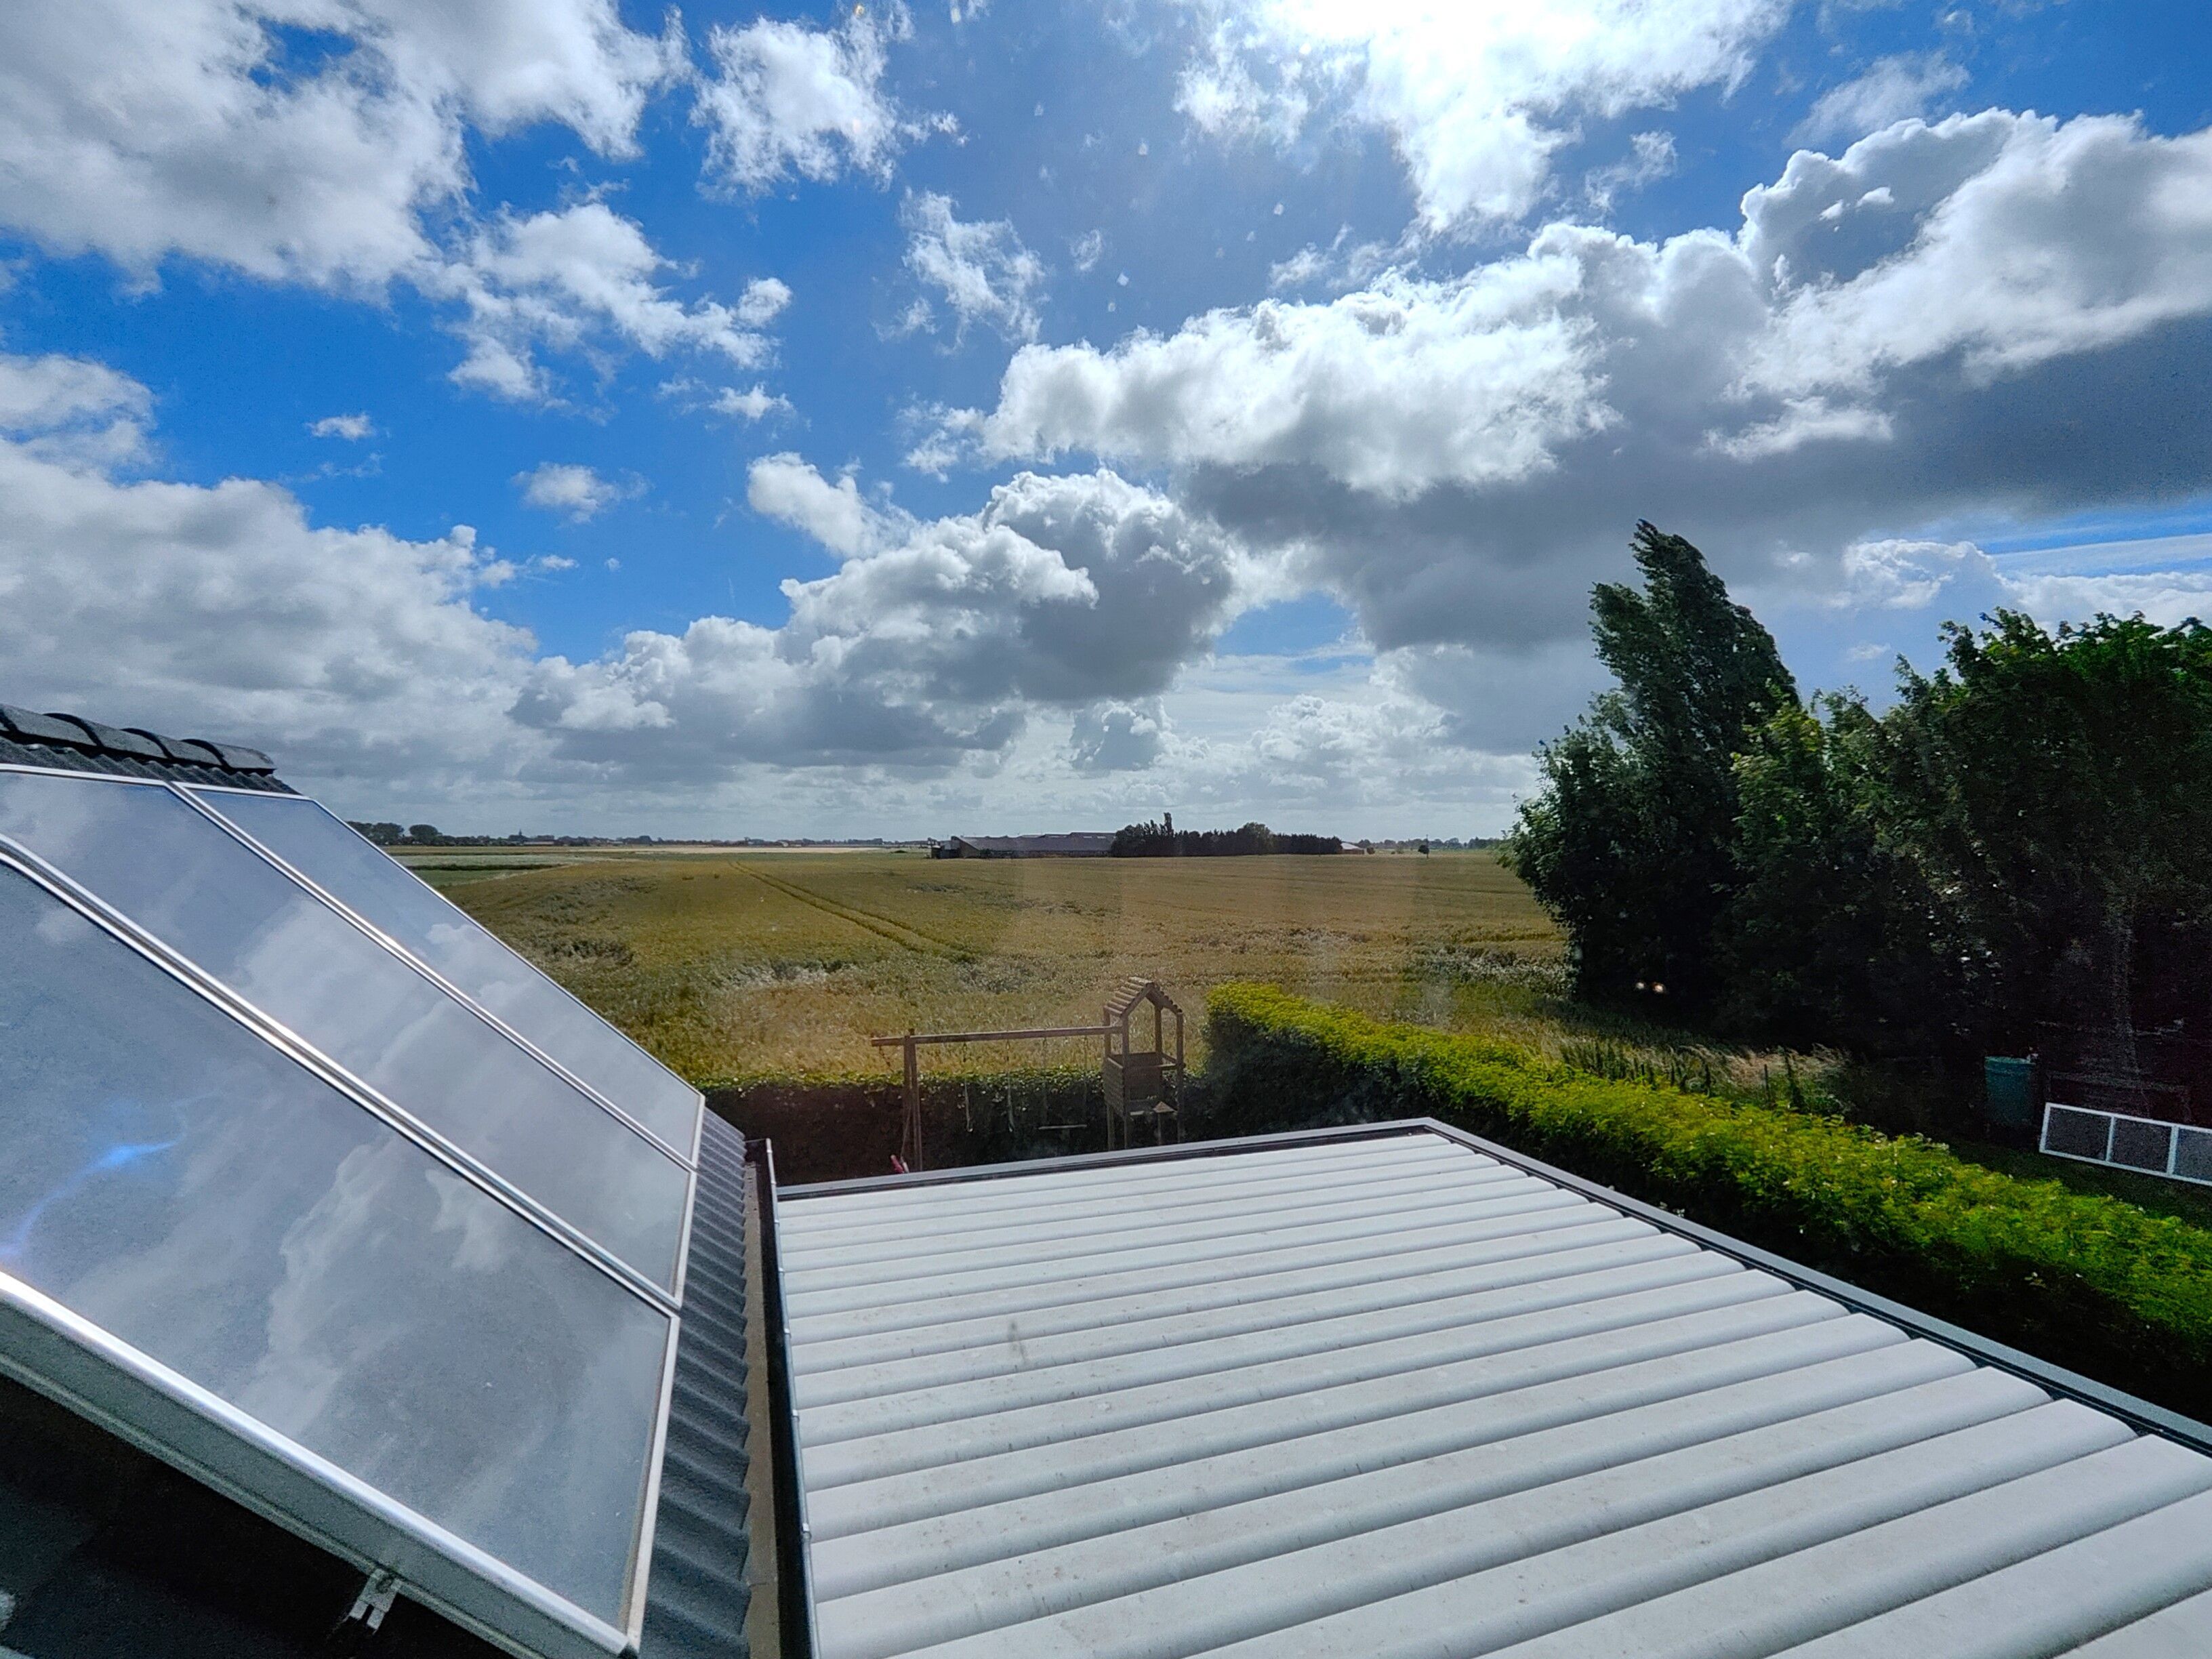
column 898, row 422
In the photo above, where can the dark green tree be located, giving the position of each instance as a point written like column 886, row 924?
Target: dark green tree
column 2056, row 791
column 1631, row 843
column 1834, row 935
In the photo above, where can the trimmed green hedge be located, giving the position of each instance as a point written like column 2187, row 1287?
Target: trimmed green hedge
column 2090, row 1283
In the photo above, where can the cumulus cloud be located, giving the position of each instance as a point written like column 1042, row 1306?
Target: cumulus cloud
column 764, row 301
column 144, row 128
column 576, row 493
column 1477, row 99
column 2000, row 314
column 1890, row 90
column 1117, row 737
column 566, row 278
column 1896, row 574
column 1063, row 592
column 365, row 655
column 1342, row 264
column 221, row 610
column 980, row 268
column 788, row 489
column 72, row 409
column 351, row 428
column 1392, row 390
column 145, row 133
column 787, row 100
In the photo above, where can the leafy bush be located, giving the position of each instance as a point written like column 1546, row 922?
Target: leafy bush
column 2091, row 1284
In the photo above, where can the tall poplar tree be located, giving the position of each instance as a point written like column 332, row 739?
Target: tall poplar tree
column 1631, row 842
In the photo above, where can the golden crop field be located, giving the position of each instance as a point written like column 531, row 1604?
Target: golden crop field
column 733, row 964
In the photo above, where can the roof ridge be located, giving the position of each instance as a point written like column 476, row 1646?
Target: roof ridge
column 135, row 743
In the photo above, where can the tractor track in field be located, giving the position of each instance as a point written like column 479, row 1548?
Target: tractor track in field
column 898, row 933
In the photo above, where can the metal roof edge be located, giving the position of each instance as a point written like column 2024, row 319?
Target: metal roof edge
column 796, row 1629
column 2138, row 1414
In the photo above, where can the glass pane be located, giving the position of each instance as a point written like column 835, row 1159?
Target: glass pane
column 258, row 932
column 2083, row 1135
column 320, row 847
column 2193, row 1157
column 2141, row 1145
column 182, row 1184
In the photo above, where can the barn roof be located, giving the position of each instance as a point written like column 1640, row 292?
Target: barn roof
column 1080, row 844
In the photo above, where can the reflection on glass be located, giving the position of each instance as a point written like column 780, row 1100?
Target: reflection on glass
column 387, row 895
column 181, row 1184
column 250, row 925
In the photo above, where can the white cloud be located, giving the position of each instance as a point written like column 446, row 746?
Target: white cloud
column 73, row 410
column 1477, row 97
column 362, row 656
column 1651, row 156
column 2008, row 240
column 351, row 428
column 1342, row 264
column 1392, row 390
column 146, row 131
column 2165, row 597
column 1895, row 574
column 980, row 267
column 788, row 489
column 1084, row 250
column 1999, row 315
column 144, row 128
column 565, row 279
column 754, row 402
column 577, row 493
column 1117, row 737
column 763, row 302
column 1068, row 592
column 788, row 100
column 222, row 610
column 1890, row 90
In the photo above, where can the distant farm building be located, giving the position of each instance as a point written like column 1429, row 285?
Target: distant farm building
column 1082, row 845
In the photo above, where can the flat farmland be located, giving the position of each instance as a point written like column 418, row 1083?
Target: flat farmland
column 735, row 965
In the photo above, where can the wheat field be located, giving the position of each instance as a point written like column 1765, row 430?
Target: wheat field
column 732, row 965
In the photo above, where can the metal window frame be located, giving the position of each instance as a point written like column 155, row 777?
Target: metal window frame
column 56, row 1352
column 192, row 791
column 2138, row 1414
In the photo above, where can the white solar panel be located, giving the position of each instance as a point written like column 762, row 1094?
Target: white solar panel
column 144, row 850
column 321, row 847
column 207, row 1243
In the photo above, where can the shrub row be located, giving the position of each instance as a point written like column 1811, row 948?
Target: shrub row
column 2090, row 1283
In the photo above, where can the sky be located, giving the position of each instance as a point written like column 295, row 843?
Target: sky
column 561, row 416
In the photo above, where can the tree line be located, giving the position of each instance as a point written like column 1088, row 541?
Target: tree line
column 2023, row 836
column 1155, row 839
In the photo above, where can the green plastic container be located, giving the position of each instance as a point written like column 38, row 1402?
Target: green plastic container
column 2010, row 1095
